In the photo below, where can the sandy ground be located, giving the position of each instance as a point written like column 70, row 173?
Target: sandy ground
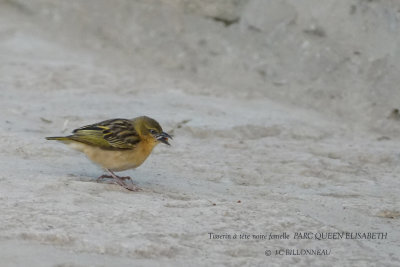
column 269, row 136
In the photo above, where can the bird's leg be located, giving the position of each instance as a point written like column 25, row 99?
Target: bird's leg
column 121, row 182
column 113, row 175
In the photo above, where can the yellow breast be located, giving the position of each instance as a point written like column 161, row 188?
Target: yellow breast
column 117, row 160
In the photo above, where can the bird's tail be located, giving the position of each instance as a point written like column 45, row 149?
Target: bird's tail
column 59, row 138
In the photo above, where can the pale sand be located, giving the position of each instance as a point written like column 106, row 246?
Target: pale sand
column 281, row 131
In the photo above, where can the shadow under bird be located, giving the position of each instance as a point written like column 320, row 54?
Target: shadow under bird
column 117, row 144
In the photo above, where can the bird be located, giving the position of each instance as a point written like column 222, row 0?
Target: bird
column 117, row 144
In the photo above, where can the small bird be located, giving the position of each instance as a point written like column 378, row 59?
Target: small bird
column 117, row 144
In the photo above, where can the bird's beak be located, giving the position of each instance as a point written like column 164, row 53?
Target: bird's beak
column 163, row 138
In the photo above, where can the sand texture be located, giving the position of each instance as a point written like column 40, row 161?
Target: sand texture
column 284, row 116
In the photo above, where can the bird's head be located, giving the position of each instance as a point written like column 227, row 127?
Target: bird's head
column 150, row 128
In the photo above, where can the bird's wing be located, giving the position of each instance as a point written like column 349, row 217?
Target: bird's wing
column 110, row 134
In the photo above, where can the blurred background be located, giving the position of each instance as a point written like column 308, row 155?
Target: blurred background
column 339, row 57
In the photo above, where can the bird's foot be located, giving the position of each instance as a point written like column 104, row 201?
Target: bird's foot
column 120, row 181
column 125, row 178
column 105, row 176
column 130, row 186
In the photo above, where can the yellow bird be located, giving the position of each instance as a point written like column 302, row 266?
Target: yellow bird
column 117, row 144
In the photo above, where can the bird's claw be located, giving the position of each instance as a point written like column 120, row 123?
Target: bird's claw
column 120, row 181
column 132, row 187
column 125, row 178
column 104, row 176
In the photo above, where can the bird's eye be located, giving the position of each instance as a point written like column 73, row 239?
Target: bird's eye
column 153, row 131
